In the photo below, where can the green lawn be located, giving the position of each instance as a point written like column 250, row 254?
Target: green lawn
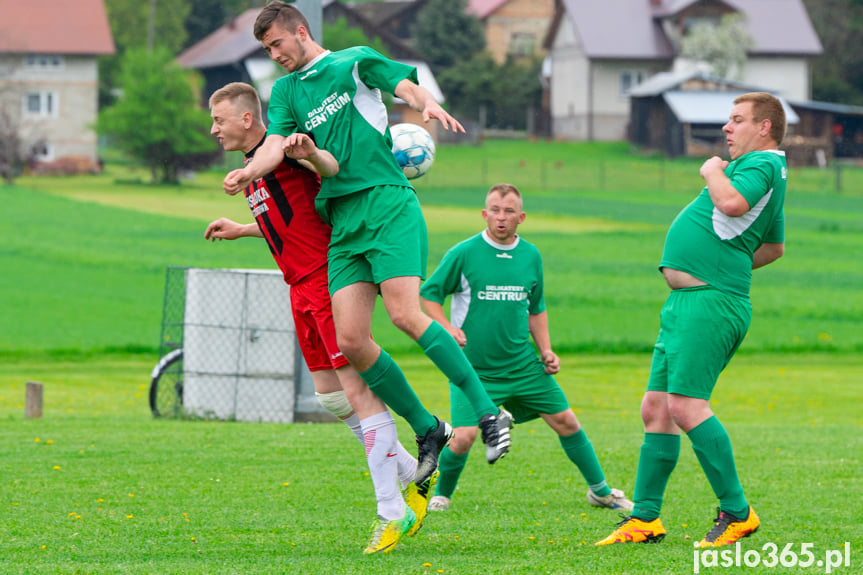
column 98, row 486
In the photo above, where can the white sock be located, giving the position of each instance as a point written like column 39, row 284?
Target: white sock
column 353, row 423
column 407, row 465
column 380, row 438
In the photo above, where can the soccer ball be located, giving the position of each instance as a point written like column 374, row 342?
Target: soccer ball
column 413, row 148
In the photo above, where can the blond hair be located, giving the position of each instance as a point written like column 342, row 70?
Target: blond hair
column 242, row 96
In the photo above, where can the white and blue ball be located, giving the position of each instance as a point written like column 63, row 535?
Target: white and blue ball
column 413, row 148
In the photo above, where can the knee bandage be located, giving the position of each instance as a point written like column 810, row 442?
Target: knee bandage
column 336, row 403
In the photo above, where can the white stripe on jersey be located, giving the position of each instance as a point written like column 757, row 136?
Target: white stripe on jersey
column 728, row 228
column 368, row 103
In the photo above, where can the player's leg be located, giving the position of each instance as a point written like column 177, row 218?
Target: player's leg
column 580, row 451
column 717, row 325
column 352, row 307
column 660, row 449
column 401, row 299
column 454, row 457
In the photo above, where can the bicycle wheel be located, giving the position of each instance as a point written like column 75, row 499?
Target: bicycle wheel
column 166, row 386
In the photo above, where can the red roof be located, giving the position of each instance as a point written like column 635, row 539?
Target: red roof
column 57, row 27
column 482, row 8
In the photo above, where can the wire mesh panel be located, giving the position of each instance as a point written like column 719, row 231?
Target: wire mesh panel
column 228, row 347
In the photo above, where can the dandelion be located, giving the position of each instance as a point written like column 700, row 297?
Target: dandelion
column 56, row 468
column 130, row 517
column 286, row 483
column 100, row 500
column 36, row 440
column 131, row 495
column 426, row 565
column 49, row 442
column 532, row 538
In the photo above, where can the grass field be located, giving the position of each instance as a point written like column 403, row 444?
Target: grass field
column 98, row 486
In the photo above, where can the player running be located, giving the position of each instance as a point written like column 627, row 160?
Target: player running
column 496, row 281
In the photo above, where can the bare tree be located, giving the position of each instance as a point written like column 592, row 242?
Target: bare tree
column 17, row 146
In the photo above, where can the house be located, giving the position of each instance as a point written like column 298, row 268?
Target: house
column 683, row 113
column 513, row 28
column 599, row 51
column 49, row 79
column 232, row 54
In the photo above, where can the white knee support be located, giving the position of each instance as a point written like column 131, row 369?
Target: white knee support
column 336, row 403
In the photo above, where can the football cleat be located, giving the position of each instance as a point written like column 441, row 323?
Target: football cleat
column 634, row 530
column 727, row 529
column 416, row 496
column 429, row 447
column 614, row 500
column 439, row 503
column 385, row 534
column 495, row 434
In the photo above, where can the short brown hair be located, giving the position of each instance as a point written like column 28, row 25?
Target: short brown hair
column 287, row 16
column 767, row 107
column 243, row 96
column 504, row 190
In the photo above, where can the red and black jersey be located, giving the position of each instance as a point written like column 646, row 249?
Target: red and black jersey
column 283, row 203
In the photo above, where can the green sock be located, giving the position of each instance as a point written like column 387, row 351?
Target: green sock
column 659, row 454
column 388, row 382
column 712, row 446
column 450, row 465
column 580, row 451
column 445, row 353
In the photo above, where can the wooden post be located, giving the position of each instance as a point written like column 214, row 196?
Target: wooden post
column 33, row 405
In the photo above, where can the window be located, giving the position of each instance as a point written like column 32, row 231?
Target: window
column 43, row 61
column 522, row 44
column 40, row 103
column 629, row 79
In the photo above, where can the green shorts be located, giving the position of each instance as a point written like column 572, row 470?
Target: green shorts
column 700, row 329
column 526, row 398
column 378, row 234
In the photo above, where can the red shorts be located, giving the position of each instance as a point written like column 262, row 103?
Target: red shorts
column 313, row 320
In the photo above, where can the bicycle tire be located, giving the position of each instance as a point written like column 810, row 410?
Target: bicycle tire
column 166, row 386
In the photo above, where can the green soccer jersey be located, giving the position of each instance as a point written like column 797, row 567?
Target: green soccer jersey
column 718, row 249
column 495, row 287
column 337, row 98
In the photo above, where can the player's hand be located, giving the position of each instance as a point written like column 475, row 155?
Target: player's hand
column 222, row 229
column 433, row 110
column 236, row 181
column 299, row 146
column 550, row 361
column 458, row 335
column 712, row 165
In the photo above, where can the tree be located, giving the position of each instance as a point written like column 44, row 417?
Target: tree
column 129, row 21
column 446, row 35
column 340, row 35
column 17, row 141
column 505, row 92
column 206, row 16
column 837, row 75
column 723, row 47
column 157, row 119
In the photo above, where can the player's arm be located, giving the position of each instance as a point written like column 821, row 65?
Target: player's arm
column 421, row 100
column 724, row 195
column 225, row 229
column 767, row 254
column 435, row 311
column 267, row 158
column 302, row 148
column 538, row 325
